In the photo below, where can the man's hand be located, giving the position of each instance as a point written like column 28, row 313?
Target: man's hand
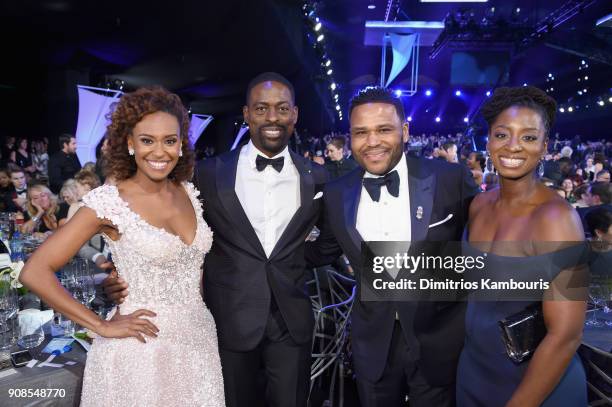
column 115, row 288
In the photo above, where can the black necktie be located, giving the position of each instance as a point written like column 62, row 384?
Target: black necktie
column 262, row 162
column 391, row 180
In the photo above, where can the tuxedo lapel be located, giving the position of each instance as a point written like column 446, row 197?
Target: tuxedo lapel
column 226, row 180
column 304, row 169
column 351, row 197
column 421, row 185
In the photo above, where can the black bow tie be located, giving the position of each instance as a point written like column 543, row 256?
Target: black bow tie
column 391, row 180
column 262, row 162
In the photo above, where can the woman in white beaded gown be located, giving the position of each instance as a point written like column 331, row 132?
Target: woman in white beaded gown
column 160, row 346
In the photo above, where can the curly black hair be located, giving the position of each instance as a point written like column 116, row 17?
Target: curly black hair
column 598, row 219
column 521, row 96
column 130, row 110
column 377, row 94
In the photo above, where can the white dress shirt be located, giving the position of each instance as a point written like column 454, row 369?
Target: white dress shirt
column 389, row 218
column 269, row 198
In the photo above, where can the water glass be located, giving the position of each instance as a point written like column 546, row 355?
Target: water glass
column 30, row 333
column 8, row 334
column 9, row 299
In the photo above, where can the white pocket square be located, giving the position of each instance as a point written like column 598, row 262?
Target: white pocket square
column 318, row 195
column 449, row 217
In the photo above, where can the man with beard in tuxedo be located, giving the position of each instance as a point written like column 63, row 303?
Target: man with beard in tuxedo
column 399, row 347
column 260, row 203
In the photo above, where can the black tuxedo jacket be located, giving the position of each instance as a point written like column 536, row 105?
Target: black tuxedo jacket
column 239, row 279
column 436, row 329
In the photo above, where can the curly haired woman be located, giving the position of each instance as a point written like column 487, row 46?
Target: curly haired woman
column 159, row 348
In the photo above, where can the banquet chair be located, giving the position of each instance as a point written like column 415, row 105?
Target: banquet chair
column 332, row 301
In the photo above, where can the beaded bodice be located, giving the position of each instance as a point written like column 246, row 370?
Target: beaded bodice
column 159, row 267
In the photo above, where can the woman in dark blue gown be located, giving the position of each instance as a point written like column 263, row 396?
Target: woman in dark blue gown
column 522, row 226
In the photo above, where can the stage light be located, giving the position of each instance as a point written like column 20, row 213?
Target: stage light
column 583, row 62
column 409, row 118
column 330, row 71
column 428, row 92
column 488, row 93
column 398, row 93
column 518, row 10
column 333, row 86
column 466, row 119
column 586, row 78
column 371, row 6
column 601, row 102
column 336, row 97
column 320, row 38
column 570, row 109
column 454, row 1
column 525, row 84
column 610, row 100
column 562, row 110
column 550, row 75
column 457, row 92
column 552, row 89
column 328, row 62
column 438, row 119
column 584, row 90
column 317, row 26
column 337, row 107
column 580, row 92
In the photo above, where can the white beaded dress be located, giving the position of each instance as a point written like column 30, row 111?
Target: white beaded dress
column 181, row 367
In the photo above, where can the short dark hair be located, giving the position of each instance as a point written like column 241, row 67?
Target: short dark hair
column 338, row 141
column 522, row 96
column 598, row 219
column 65, row 139
column 377, row 94
column 269, row 77
column 448, row 145
column 13, row 168
column 599, row 158
column 603, row 190
column 480, row 158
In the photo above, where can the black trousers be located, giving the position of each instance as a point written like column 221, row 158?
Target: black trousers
column 274, row 374
column 402, row 378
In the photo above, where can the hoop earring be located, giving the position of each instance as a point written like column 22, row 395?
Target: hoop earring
column 131, row 151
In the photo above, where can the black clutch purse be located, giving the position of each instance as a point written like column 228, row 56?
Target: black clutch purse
column 522, row 333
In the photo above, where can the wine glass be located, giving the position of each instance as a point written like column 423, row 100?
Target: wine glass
column 9, row 300
column 599, row 295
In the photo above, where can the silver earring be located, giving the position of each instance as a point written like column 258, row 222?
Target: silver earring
column 181, row 152
column 130, row 151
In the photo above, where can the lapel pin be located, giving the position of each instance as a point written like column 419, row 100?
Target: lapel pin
column 419, row 212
